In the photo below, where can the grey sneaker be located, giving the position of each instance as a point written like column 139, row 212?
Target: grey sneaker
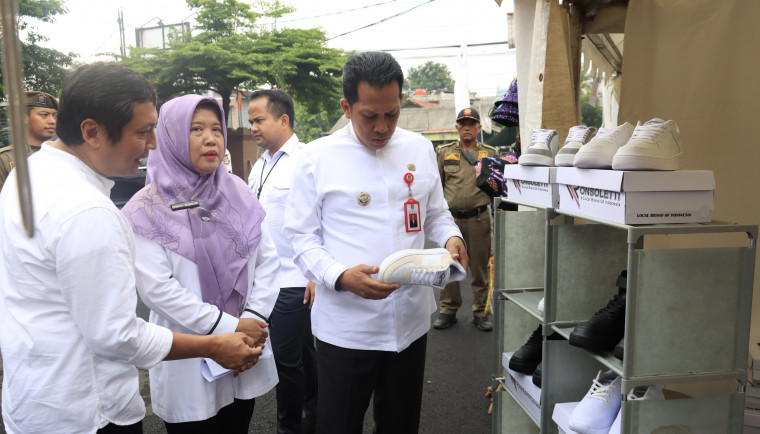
column 577, row 136
column 429, row 267
column 542, row 149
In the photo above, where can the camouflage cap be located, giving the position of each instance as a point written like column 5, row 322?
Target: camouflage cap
column 35, row 98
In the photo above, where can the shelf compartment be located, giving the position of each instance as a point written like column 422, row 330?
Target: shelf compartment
column 513, row 327
column 519, row 253
column 708, row 414
column 566, row 377
column 682, row 302
column 585, row 262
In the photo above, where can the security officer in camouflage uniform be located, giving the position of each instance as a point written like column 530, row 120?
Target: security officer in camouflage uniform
column 41, row 116
column 469, row 206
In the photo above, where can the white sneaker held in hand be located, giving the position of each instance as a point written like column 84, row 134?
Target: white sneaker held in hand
column 655, row 145
column 542, row 149
column 429, row 267
column 577, row 136
column 598, row 152
column 597, row 410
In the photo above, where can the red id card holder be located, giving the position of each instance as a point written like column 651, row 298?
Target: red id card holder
column 412, row 215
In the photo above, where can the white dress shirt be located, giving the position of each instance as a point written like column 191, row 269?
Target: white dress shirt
column 169, row 285
column 330, row 232
column 276, row 173
column 69, row 336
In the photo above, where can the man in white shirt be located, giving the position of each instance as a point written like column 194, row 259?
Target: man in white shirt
column 69, row 336
column 272, row 116
column 348, row 208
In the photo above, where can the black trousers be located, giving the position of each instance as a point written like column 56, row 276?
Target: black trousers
column 135, row 428
column 232, row 419
column 348, row 378
column 296, row 360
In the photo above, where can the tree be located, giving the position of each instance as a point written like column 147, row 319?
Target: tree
column 590, row 115
column 430, row 76
column 311, row 125
column 228, row 52
column 43, row 68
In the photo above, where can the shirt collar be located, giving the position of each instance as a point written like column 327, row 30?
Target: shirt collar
column 286, row 148
column 101, row 182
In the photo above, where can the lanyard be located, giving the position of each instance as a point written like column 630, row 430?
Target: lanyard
column 262, row 181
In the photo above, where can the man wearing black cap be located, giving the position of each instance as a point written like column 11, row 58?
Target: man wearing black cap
column 41, row 115
column 469, row 206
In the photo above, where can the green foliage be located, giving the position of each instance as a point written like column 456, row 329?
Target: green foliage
column 43, row 68
column 430, row 76
column 590, row 115
column 228, row 52
column 311, row 125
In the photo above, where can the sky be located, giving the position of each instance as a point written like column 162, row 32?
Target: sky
column 413, row 31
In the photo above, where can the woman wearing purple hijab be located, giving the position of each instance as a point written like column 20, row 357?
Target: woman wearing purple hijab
column 204, row 264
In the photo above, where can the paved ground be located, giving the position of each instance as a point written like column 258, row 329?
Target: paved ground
column 456, row 379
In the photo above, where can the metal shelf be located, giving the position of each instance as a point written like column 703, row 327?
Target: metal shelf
column 679, row 303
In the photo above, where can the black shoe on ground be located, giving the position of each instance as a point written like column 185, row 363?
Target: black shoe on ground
column 619, row 349
column 606, row 327
column 537, row 376
column 482, row 323
column 444, row 321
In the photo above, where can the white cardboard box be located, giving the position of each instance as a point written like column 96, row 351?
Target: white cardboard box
column 532, row 184
column 521, row 385
column 561, row 416
column 648, row 197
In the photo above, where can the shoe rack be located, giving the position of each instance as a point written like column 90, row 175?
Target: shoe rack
column 687, row 313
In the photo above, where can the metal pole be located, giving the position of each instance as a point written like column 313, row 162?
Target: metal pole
column 13, row 75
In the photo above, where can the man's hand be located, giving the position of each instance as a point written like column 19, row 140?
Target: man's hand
column 308, row 294
column 234, row 351
column 456, row 247
column 358, row 281
column 255, row 329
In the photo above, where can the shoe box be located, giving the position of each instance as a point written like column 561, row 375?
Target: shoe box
column 522, row 387
column 533, row 185
column 561, row 416
column 637, row 197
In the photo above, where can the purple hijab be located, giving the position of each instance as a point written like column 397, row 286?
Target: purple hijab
column 221, row 234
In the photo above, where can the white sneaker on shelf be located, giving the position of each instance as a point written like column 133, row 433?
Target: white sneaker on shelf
column 638, row 393
column 598, row 409
column 430, row 267
column 598, row 152
column 542, row 149
column 655, row 145
column 541, row 305
column 576, row 137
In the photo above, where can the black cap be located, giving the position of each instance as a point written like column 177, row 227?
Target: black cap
column 468, row 113
column 40, row 99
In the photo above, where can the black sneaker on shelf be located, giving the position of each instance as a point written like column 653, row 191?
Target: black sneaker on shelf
column 537, row 376
column 619, row 349
column 606, row 327
column 526, row 359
